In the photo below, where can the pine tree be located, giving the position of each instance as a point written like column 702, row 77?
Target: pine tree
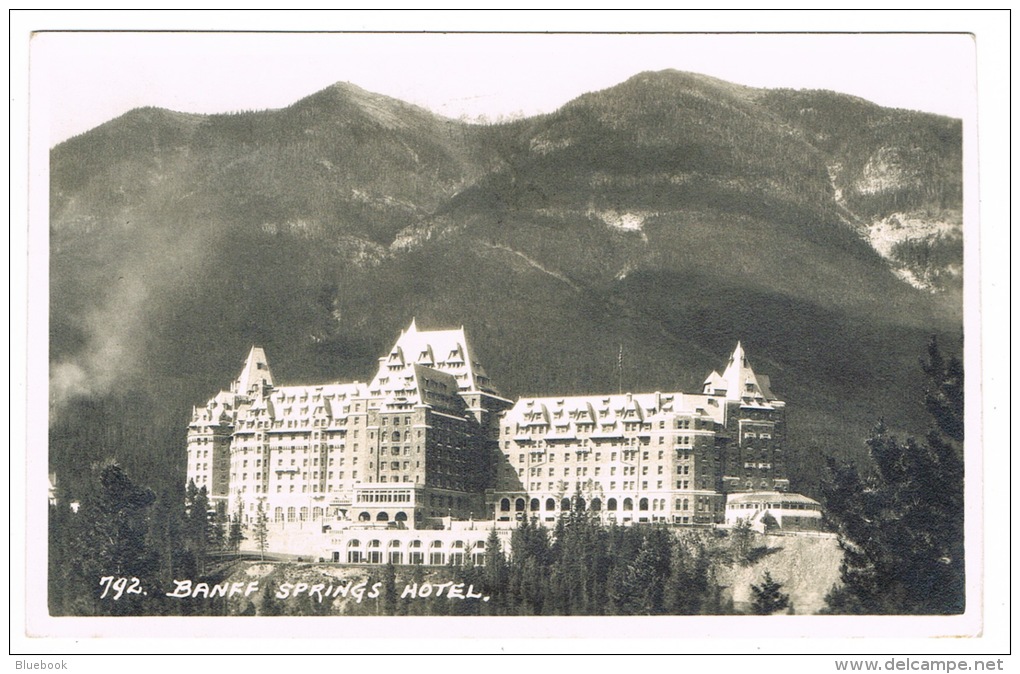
column 197, row 527
column 108, row 537
column 236, row 535
column 768, row 597
column 529, row 567
column 390, row 597
column 495, row 576
column 686, row 591
column 741, row 542
column 902, row 529
column 261, row 530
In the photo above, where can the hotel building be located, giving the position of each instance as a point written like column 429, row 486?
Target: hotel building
column 429, row 442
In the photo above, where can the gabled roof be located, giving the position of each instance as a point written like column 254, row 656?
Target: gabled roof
column 444, row 350
column 255, row 374
column 738, row 381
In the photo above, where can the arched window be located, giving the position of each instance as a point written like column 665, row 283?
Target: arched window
column 354, row 552
column 611, row 504
column 382, row 517
column 316, row 513
column 394, row 543
column 458, row 545
column 374, row 552
column 504, row 505
column 628, row 504
column 550, row 504
column 565, row 505
column 596, row 504
column 304, row 514
column 519, row 505
column 401, row 516
column 416, row 556
column 365, row 517
column 291, row 514
column 396, row 436
column 436, row 555
column 278, row 514
column 534, row 504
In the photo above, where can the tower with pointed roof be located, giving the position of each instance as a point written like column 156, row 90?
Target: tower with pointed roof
column 413, row 444
column 648, row 457
column 754, row 428
column 429, row 440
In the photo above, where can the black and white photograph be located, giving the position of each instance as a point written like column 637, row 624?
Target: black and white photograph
column 485, row 333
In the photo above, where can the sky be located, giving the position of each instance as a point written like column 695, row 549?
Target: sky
column 82, row 79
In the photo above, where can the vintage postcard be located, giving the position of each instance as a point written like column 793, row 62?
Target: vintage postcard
column 597, row 335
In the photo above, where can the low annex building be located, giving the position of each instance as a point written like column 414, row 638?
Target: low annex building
column 766, row 510
column 429, row 445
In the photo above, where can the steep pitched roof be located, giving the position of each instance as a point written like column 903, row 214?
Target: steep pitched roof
column 444, row 350
column 739, row 378
column 255, row 374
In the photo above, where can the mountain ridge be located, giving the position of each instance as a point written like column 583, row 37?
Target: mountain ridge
column 672, row 223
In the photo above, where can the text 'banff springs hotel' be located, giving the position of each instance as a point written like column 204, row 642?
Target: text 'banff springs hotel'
column 429, row 444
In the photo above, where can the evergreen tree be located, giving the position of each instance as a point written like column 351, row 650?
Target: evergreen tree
column 741, row 542
column 529, row 567
column 166, row 540
column 235, row 534
column 768, row 597
column 686, row 591
column 218, row 530
column 389, row 604
column 902, row 529
column 261, row 530
column 197, row 528
column 643, row 577
column 495, row 576
column 60, row 585
column 107, row 537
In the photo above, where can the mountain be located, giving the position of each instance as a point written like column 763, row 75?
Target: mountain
column 672, row 214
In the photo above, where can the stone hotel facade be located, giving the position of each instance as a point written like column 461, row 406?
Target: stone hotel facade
column 429, row 444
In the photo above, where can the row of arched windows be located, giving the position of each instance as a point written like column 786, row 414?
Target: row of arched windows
column 438, row 553
column 293, row 514
column 595, row 505
column 414, row 545
column 382, row 516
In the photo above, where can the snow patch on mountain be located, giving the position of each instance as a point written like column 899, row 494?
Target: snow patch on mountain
column 625, row 222
column 894, row 235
